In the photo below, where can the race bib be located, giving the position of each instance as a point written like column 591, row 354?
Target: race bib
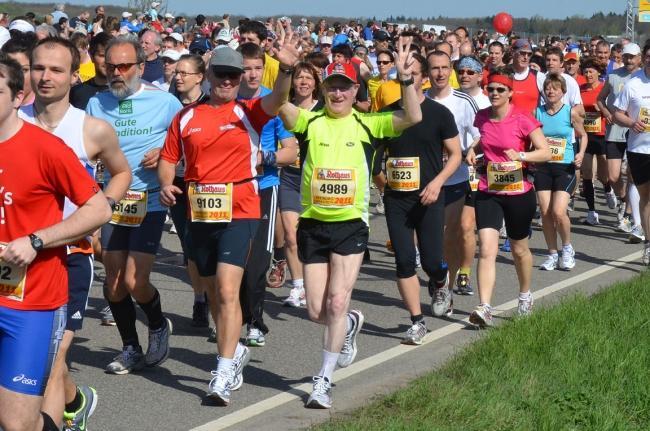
column 333, row 188
column 557, row 147
column 131, row 210
column 473, row 178
column 210, row 203
column 505, row 177
column 644, row 117
column 403, row 173
column 593, row 122
column 12, row 279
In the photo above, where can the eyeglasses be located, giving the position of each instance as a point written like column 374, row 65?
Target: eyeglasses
column 326, row 45
column 525, row 53
column 185, row 74
column 122, row 67
column 468, row 72
column 499, row 90
column 383, row 63
column 232, row 76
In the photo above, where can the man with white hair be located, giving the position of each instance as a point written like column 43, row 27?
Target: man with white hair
column 58, row 13
column 151, row 43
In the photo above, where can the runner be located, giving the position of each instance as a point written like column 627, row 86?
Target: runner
column 35, row 180
column 225, row 133
column 616, row 138
column 504, row 191
column 414, row 197
column 464, row 108
column 305, row 93
column 19, row 48
column 273, row 135
column 90, row 139
column 140, row 113
column 632, row 110
column 555, row 180
column 594, row 125
column 81, row 94
column 333, row 230
column 526, row 93
column 255, row 32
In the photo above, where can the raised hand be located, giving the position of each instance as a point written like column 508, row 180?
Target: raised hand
column 404, row 61
column 289, row 54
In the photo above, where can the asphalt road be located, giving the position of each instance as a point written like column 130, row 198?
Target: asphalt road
column 277, row 380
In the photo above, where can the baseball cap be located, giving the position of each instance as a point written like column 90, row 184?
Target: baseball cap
column 171, row 54
column 127, row 14
column 224, row 35
column 381, row 35
column 325, row 40
column 200, row 45
column 176, row 36
column 21, row 25
column 168, row 15
column 155, row 3
column 522, row 45
column 631, row 49
column 345, row 70
column 571, row 56
column 226, row 59
column 4, row 36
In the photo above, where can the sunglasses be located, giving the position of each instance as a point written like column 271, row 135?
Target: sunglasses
column 122, row 67
column 525, row 53
column 499, row 90
column 468, row 72
column 384, row 62
column 232, row 76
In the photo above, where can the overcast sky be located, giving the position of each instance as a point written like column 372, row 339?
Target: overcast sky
column 384, row 8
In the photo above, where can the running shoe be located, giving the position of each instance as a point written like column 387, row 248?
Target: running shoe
column 241, row 361
column 568, row 261
column 506, row 246
column 442, row 301
column 158, row 350
column 107, row 316
column 572, row 204
column 200, row 315
column 592, row 218
column 646, row 254
column 620, row 214
column 76, row 421
column 380, row 209
column 277, row 274
column 637, row 235
column 220, row 386
column 463, row 285
column 349, row 349
column 131, row 359
column 625, row 225
column 525, row 306
column 296, row 298
column 482, row 316
column 415, row 334
column 321, row 394
column 612, row 202
column 550, row 263
column 255, row 337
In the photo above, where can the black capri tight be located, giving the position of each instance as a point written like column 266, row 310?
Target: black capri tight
column 517, row 211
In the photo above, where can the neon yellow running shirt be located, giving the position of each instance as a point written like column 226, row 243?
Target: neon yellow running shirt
column 338, row 156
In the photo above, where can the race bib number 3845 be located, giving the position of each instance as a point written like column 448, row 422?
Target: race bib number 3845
column 12, row 280
column 333, row 188
column 505, row 177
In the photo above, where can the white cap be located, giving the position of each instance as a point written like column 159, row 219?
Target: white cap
column 155, row 3
column 168, row 15
column 4, row 36
column 325, row 39
column 171, row 54
column 177, row 36
column 224, row 35
column 368, row 43
column 632, row 49
column 126, row 14
column 21, row 25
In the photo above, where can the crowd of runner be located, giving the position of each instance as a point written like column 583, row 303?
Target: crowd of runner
column 262, row 142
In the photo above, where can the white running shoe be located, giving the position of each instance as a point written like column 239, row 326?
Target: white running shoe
column 621, row 211
column 349, row 349
column 550, row 263
column 380, row 209
column 320, row 397
column 220, row 387
column 611, row 200
column 415, row 334
column 568, row 260
column 525, row 306
column 296, row 298
column 592, row 218
column 637, row 235
column 482, row 316
column 625, row 225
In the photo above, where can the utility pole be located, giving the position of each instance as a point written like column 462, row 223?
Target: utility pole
column 629, row 20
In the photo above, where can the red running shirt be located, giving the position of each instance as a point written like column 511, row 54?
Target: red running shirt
column 594, row 121
column 38, row 170
column 220, row 145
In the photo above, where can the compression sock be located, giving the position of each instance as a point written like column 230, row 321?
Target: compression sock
column 279, row 254
column 153, row 310
column 75, row 404
column 124, row 315
column 588, row 190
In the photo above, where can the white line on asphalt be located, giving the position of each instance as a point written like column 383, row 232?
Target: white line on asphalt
column 298, row 391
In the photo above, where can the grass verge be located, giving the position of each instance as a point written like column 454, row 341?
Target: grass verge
column 581, row 365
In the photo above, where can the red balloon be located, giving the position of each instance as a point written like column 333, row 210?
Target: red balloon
column 502, row 22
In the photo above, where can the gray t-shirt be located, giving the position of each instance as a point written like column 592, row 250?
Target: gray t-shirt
column 616, row 81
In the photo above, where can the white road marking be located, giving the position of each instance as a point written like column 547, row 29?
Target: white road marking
column 297, row 392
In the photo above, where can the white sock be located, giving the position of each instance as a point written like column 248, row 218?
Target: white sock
column 524, row 295
column 297, row 283
column 329, row 363
column 239, row 350
column 633, row 199
column 225, row 364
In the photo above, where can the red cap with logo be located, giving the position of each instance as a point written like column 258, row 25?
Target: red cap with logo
column 345, row 70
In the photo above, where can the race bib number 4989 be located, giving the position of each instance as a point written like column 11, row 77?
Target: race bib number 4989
column 333, row 188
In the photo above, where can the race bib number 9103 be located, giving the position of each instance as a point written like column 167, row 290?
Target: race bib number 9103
column 333, row 188
column 210, row 203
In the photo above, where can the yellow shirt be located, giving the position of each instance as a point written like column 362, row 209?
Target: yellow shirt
column 86, row 71
column 271, row 69
column 453, row 80
column 373, row 86
column 390, row 92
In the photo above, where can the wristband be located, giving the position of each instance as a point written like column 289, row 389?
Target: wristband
column 407, row 82
column 522, row 156
column 268, row 158
column 287, row 71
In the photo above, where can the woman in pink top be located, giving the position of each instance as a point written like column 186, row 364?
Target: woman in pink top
column 510, row 139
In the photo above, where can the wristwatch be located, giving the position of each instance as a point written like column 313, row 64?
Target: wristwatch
column 522, row 156
column 37, row 243
column 407, row 82
column 287, row 71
